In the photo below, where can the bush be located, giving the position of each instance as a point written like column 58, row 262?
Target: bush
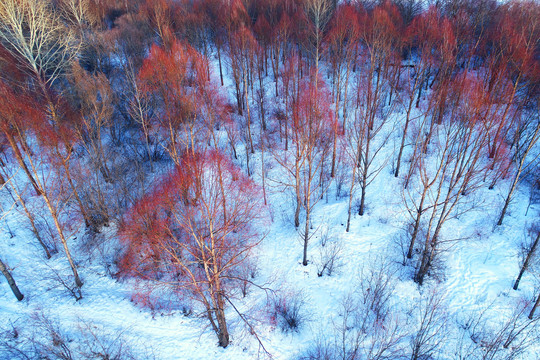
column 329, row 258
column 288, row 312
column 46, row 338
column 375, row 289
column 321, row 349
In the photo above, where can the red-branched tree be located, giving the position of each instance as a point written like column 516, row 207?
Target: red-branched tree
column 512, row 73
column 217, row 27
column 433, row 37
column 171, row 78
column 280, row 40
column 445, row 184
column 311, row 125
column 373, row 91
column 195, row 233
column 243, row 51
column 23, row 117
column 160, row 15
column 341, row 44
column 421, row 39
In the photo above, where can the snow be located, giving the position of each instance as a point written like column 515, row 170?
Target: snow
column 478, row 272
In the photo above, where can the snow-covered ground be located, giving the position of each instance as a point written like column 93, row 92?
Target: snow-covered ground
column 478, row 270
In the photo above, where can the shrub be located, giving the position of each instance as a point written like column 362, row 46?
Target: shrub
column 288, row 312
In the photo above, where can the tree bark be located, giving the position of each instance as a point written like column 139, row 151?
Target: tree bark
column 30, row 217
column 365, row 174
column 404, row 137
column 306, row 235
column 86, row 218
column 11, row 281
column 527, row 260
column 351, row 192
column 63, row 239
column 21, row 162
column 427, row 257
column 518, row 175
column 416, row 227
column 531, row 314
column 219, row 61
column 252, row 149
column 223, row 332
column 298, row 194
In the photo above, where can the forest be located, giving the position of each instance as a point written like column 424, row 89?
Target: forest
column 270, row 179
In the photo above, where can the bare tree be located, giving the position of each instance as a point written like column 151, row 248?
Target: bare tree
column 34, row 33
column 535, row 306
column 509, row 335
column 311, row 124
column 140, row 108
column 459, row 146
column 243, row 50
column 20, row 195
column 79, row 13
column 194, row 238
column 21, row 117
column 430, row 327
column 429, row 37
column 319, row 12
column 529, row 254
column 11, row 281
column 373, row 90
column 365, row 327
column 43, row 336
column 342, row 42
column 3, row 267
column 527, row 134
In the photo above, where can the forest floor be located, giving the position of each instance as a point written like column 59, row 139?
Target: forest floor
column 476, row 274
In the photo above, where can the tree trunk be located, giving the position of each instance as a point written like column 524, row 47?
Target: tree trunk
column 416, row 227
column 425, row 264
column 223, row 332
column 419, row 95
column 261, row 94
column 21, row 162
column 219, row 61
column 427, row 255
column 335, row 127
column 364, row 177
column 351, row 191
column 344, row 123
column 86, row 218
column 274, row 60
column 527, row 260
column 30, row 217
column 237, row 88
column 252, row 149
column 362, row 199
column 263, row 176
column 298, row 197
column 334, row 149
column 52, row 210
column 247, row 161
column 404, row 137
column 518, row 175
column 531, row 314
column 306, row 235
column 11, row 281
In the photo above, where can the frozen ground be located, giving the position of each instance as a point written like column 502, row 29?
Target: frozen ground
column 479, row 271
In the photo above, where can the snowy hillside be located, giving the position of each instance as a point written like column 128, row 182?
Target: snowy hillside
column 291, row 180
